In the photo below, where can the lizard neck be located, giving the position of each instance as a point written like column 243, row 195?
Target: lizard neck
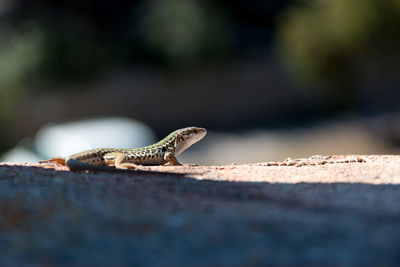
column 167, row 144
column 175, row 143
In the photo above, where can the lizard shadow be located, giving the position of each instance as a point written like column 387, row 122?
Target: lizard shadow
column 184, row 183
column 129, row 185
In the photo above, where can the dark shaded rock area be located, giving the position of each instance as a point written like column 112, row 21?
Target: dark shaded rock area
column 337, row 210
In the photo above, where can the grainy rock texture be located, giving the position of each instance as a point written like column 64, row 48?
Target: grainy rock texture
column 319, row 210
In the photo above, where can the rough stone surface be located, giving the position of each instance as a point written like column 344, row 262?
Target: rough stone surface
column 320, row 210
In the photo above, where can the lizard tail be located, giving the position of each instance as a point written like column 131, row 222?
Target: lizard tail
column 54, row 160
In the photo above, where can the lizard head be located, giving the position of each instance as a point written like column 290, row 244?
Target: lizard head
column 188, row 136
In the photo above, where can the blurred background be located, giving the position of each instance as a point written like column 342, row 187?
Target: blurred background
column 268, row 79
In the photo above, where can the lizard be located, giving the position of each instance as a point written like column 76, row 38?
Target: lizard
column 163, row 152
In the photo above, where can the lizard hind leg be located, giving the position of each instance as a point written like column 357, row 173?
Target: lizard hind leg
column 119, row 160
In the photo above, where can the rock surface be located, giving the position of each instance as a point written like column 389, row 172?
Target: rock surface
column 320, row 210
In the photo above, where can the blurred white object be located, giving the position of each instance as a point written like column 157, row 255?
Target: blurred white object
column 61, row 140
column 20, row 155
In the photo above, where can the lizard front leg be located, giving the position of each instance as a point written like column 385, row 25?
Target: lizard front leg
column 119, row 160
column 170, row 158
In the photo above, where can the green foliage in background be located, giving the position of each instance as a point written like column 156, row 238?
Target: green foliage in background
column 20, row 57
column 32, row 56
column 335, row 45
column 21, row 54
column 183, row 32
column 51, row 45
column 49, row 50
